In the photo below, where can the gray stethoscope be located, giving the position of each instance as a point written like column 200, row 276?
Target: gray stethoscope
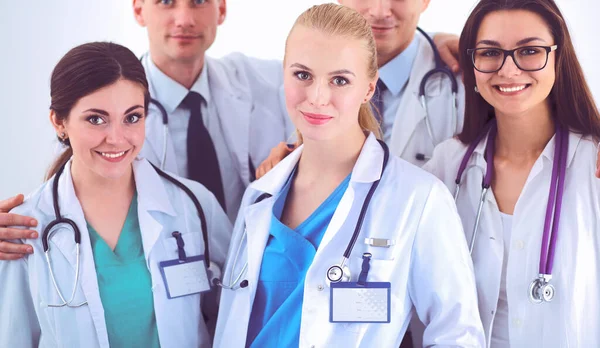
column 335, row 273
column 77, row 235
column 165, row 122
column 540, row 289
column 440, row 68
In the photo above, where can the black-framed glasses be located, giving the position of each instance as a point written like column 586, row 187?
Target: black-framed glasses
column 526, row 58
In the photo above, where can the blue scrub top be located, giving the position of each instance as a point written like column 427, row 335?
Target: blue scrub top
column 277, row 309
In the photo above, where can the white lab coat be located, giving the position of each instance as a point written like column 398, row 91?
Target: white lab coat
column 409, row 133
column 27, row 321
column 572, row 319
column 249, row 103
column 429, row 266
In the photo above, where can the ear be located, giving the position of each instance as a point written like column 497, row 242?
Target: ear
column 425, row 5
column 222, row 11
column 137, row 12
column 58, row 124
column 372, row 87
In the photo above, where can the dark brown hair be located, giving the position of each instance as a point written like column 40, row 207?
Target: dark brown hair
column 571, row 101
column 84, row 70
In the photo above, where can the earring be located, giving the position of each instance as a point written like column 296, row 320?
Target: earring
column 476, row 89
column 62, row 135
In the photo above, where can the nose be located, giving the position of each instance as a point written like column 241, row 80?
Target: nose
column 509, row 69
column 115, row 134
column 184, row 15
column 380, row 8
column 319, row 93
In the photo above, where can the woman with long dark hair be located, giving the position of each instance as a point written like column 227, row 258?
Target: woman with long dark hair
column 122, row 254
column 524, row 163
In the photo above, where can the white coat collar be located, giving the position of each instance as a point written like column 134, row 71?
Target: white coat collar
column 366, row 170
column 171, row 93
column 547, row 153
column 152, row 194
column 410, row 107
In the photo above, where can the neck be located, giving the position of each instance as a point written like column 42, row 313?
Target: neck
column 184, row 72
column 89, row 185
column 384, row 57
column 332, row 158
column 524, row 135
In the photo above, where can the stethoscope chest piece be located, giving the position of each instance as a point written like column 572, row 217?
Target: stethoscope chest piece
column 336, row 274
column 541, row 291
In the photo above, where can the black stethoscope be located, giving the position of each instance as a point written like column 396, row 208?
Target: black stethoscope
column 77, row 234
column 335, row 273
column 440, row 68
column 165, row 122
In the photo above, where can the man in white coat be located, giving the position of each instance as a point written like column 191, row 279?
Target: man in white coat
column 241, row 105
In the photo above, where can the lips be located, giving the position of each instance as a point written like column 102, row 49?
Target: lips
column 512, row 88
column 113, row 156
column 316, row 119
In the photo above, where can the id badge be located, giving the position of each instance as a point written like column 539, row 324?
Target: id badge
column 183, row 278
column 354, row 303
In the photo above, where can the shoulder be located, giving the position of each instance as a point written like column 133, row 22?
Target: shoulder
column 31, row 204
column 408, row 180
column 243, row 68
column 446, row 158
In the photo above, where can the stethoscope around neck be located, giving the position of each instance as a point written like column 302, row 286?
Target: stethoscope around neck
column 440, row 68
column 335, row 273
column 540, row 289
column 165, row 125
column 211, row 267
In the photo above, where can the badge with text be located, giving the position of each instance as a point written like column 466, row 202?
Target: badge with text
column 354, row 303
column 184, row 278
column 361, row 301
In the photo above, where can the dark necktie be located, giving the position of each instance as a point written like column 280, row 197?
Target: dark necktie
column 203, row 165
column 378, row 101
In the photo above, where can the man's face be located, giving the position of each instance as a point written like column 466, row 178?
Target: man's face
column 180, row 30
column 393, row 23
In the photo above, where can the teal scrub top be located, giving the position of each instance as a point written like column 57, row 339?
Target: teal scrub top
column 277, row 309
column 125, row 286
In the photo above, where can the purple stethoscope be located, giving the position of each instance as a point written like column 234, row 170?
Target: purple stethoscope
column 540, row 289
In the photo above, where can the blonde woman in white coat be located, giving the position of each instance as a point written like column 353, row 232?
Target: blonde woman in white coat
column 281, row 283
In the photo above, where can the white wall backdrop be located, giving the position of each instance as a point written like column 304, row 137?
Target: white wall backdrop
column 34, row 35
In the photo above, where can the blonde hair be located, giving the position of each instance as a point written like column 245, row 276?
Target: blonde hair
column 338, row 20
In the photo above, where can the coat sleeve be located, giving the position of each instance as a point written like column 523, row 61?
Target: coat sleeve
column 442, row 283
column 19, row 326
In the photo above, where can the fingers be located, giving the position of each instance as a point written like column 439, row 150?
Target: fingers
column 278, row 153
column 7, row 219
column 16, row 233
column 449, row 57
column 10, row 257
column 8, row 204
column 13, row 251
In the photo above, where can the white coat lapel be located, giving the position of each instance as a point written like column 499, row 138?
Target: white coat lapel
column 63, row 239
column 153, row 204
column 410, row 112
column 156, row 134
column 234, row 110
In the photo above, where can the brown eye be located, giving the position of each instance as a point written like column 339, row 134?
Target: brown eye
column 95, row 120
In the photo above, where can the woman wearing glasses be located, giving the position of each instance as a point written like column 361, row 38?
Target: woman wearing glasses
column 530, row 135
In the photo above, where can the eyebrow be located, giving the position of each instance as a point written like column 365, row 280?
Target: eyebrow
column 102, row 112
column 336, row 72
column 519, row 43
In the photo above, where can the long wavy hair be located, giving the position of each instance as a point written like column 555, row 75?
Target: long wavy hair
column 571, row 102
